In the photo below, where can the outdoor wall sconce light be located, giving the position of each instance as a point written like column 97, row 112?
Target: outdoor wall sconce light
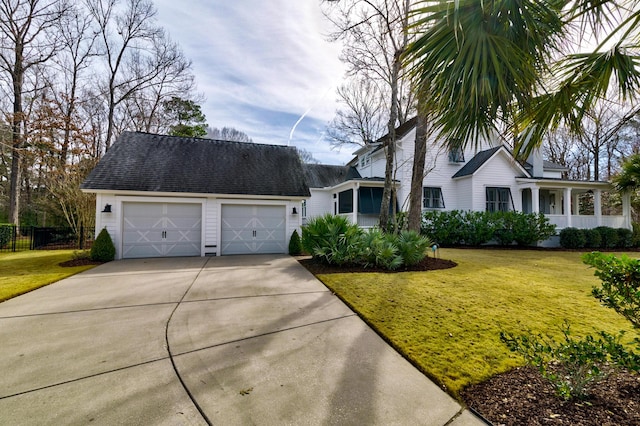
column 107, row 208
column 294, row 211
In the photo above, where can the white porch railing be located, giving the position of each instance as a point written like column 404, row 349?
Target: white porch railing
column 586, row 222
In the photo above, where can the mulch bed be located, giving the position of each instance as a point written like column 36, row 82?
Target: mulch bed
column 523, row 397
column 79, row 262
column 427, row 264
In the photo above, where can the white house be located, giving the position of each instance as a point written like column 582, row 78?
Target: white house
column 172, row 196
column 484, row 177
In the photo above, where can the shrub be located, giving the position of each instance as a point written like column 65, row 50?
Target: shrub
column 593, row 239
column 625, row 238
column 572, row 238
column 103, row 249
column 620, row 288
column 571, row 365
column 295, row 245
column 609, row 237
column 332, row 239
column 412, row 247
column 479, row 228
column 6, row 234
column 636, row 234
column 445, row 228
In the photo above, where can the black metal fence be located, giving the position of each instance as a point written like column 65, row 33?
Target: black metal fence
column 13, row 238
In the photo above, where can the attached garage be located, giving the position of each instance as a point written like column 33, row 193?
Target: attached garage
column 161, row 196
column 161, row 229
column 253, row 229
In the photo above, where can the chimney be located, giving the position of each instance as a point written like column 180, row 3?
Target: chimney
column 535, row 159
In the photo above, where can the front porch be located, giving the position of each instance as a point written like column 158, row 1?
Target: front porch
column 576, row 204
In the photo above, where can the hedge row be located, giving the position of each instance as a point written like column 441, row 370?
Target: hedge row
column 469, row 228
column 600, row 237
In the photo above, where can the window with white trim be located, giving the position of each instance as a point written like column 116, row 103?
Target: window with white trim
column 456, row 155
column 499, row 199
column 304, row 208
column 432, row 198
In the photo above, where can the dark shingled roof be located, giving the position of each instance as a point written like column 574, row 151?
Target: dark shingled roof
column 322, row 176
column 476, row 162
column 157, row 163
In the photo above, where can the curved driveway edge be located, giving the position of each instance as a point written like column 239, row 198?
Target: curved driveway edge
column 231, row 340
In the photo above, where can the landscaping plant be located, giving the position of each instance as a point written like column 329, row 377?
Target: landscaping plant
column 572, row 238
column 295, row 245
column 103, row 249
column 6, row 232
column 620, row 287
column 331, row 239
column 571, row 365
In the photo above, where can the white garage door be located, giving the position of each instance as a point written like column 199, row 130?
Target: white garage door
column 248, row 229
column 161, row 229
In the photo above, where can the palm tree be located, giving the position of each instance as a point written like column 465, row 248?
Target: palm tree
column 519, row 67
column 629, row 177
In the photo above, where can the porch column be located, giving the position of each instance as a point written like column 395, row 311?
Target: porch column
column 597, row 206
column 535, row 200
column 355, row 204
column 626, row 209
column 567, row 205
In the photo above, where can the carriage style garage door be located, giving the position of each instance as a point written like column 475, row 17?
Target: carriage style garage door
column 161, row 229
column 248, row 229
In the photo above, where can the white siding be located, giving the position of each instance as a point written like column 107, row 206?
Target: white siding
column 321, row 202
column 108, row 220
column 500, row 171
column 211, row 245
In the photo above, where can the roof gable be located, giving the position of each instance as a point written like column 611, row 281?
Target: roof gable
column 159, row 163
column 481, row 158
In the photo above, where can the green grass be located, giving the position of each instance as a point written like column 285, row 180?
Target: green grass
column 24, row 271
column 448, row 322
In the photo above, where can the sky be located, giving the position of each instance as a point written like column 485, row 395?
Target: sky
column 264, row 67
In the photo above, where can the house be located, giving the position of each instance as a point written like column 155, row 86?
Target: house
column 172, row 196
column 484, row 177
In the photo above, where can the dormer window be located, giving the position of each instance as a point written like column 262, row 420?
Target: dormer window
column 456, row 155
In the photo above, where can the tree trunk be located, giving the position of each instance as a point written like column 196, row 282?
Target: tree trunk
column 390, row 148
column 16, row 140
column 417, row 175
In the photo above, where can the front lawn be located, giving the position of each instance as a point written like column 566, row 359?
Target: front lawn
column 24, row 271
column 447, row 322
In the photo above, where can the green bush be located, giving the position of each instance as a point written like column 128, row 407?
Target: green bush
column 451, row 228
column 295, row 245
column 571, row 365
column 479, row 228
column 592, row 237
column 6, row 234
column 620, row 288
column 103, row 249
column 572, row 238
column 332, row 239
column 609, row 237
column 625, row 238
column 412, row 247
column 636, row 234
column 445, row 228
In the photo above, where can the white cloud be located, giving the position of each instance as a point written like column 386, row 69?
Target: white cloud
column 260, row 64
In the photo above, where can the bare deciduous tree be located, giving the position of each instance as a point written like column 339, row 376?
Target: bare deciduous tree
column 27, row 39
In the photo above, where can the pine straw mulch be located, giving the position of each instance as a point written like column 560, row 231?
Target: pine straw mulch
column 522, row 396
column 427, row 264
column 79, row 262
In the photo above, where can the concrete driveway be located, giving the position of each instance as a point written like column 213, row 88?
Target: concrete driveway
column 226, row 341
